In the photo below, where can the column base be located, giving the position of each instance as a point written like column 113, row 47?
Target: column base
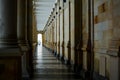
column 96, row 76
column 67, row 62
column 85, row 75
column 55, row 53
column 10, row 62
column 24, row 50
column 61, row 58
column 25, row 76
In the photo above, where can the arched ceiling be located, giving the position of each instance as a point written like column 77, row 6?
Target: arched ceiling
column 42, row 10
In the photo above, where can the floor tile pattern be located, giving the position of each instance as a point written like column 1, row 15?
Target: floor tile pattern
column 48, row 67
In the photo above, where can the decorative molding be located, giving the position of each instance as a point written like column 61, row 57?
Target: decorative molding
column 114, row 52
column 114, row 48
column 101, row 50
column 84, row 48
column 5, row 43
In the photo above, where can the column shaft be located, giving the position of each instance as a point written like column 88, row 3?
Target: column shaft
column 8, row 23
column 22, row 21
column 10, row 55
column 22, row 34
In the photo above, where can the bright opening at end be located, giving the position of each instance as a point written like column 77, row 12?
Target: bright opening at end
column 39, row 39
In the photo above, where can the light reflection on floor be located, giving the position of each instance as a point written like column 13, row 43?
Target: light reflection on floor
column 48, row 67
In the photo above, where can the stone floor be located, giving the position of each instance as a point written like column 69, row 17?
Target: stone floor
column 48, row 67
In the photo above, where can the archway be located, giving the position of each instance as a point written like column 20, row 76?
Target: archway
column 39, row 39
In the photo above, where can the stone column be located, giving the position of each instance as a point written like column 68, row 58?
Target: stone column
column 67, row 31
column 58, row 29
column 10, row 55
column 34, row 31
column 90, row 52
column 8, row 24
column 22, row 34
column 78, row 55
column 69, row 42
column 29, row 35
column 61, row 10
column 54, row 25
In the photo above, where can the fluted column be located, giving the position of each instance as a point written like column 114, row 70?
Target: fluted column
column 10, row 55
column 22, row 34
column 8, row 23
column 22, row 22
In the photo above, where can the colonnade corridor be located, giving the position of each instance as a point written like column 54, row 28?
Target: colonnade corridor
column 83, row 34
column 48, row 67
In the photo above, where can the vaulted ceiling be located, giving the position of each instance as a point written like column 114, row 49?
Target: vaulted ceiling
column 42, row 10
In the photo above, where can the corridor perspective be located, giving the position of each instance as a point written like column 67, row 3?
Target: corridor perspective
column 59, row 40
column 48, row 67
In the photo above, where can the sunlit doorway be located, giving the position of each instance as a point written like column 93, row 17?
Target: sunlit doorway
column 39, row 47
column 39, row 39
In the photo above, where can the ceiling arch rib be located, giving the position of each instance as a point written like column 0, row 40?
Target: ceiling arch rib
column 42, row 10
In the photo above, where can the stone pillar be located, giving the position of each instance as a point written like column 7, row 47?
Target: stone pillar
column 77, row 65
column 69, row 42
column 29, row 35
column 8, row 23
column 58, row 29
column 52, row 31
column 90, row 42
column 47, row 37
column 22, row 34
column 34, row 31
column 10, row 55
column 61, row 10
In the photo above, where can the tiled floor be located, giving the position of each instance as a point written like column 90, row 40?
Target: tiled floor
column 48, row 67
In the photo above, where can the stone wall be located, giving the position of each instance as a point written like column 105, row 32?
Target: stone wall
column 106, row 40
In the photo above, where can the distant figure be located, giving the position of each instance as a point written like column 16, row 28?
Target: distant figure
column 39, row 43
